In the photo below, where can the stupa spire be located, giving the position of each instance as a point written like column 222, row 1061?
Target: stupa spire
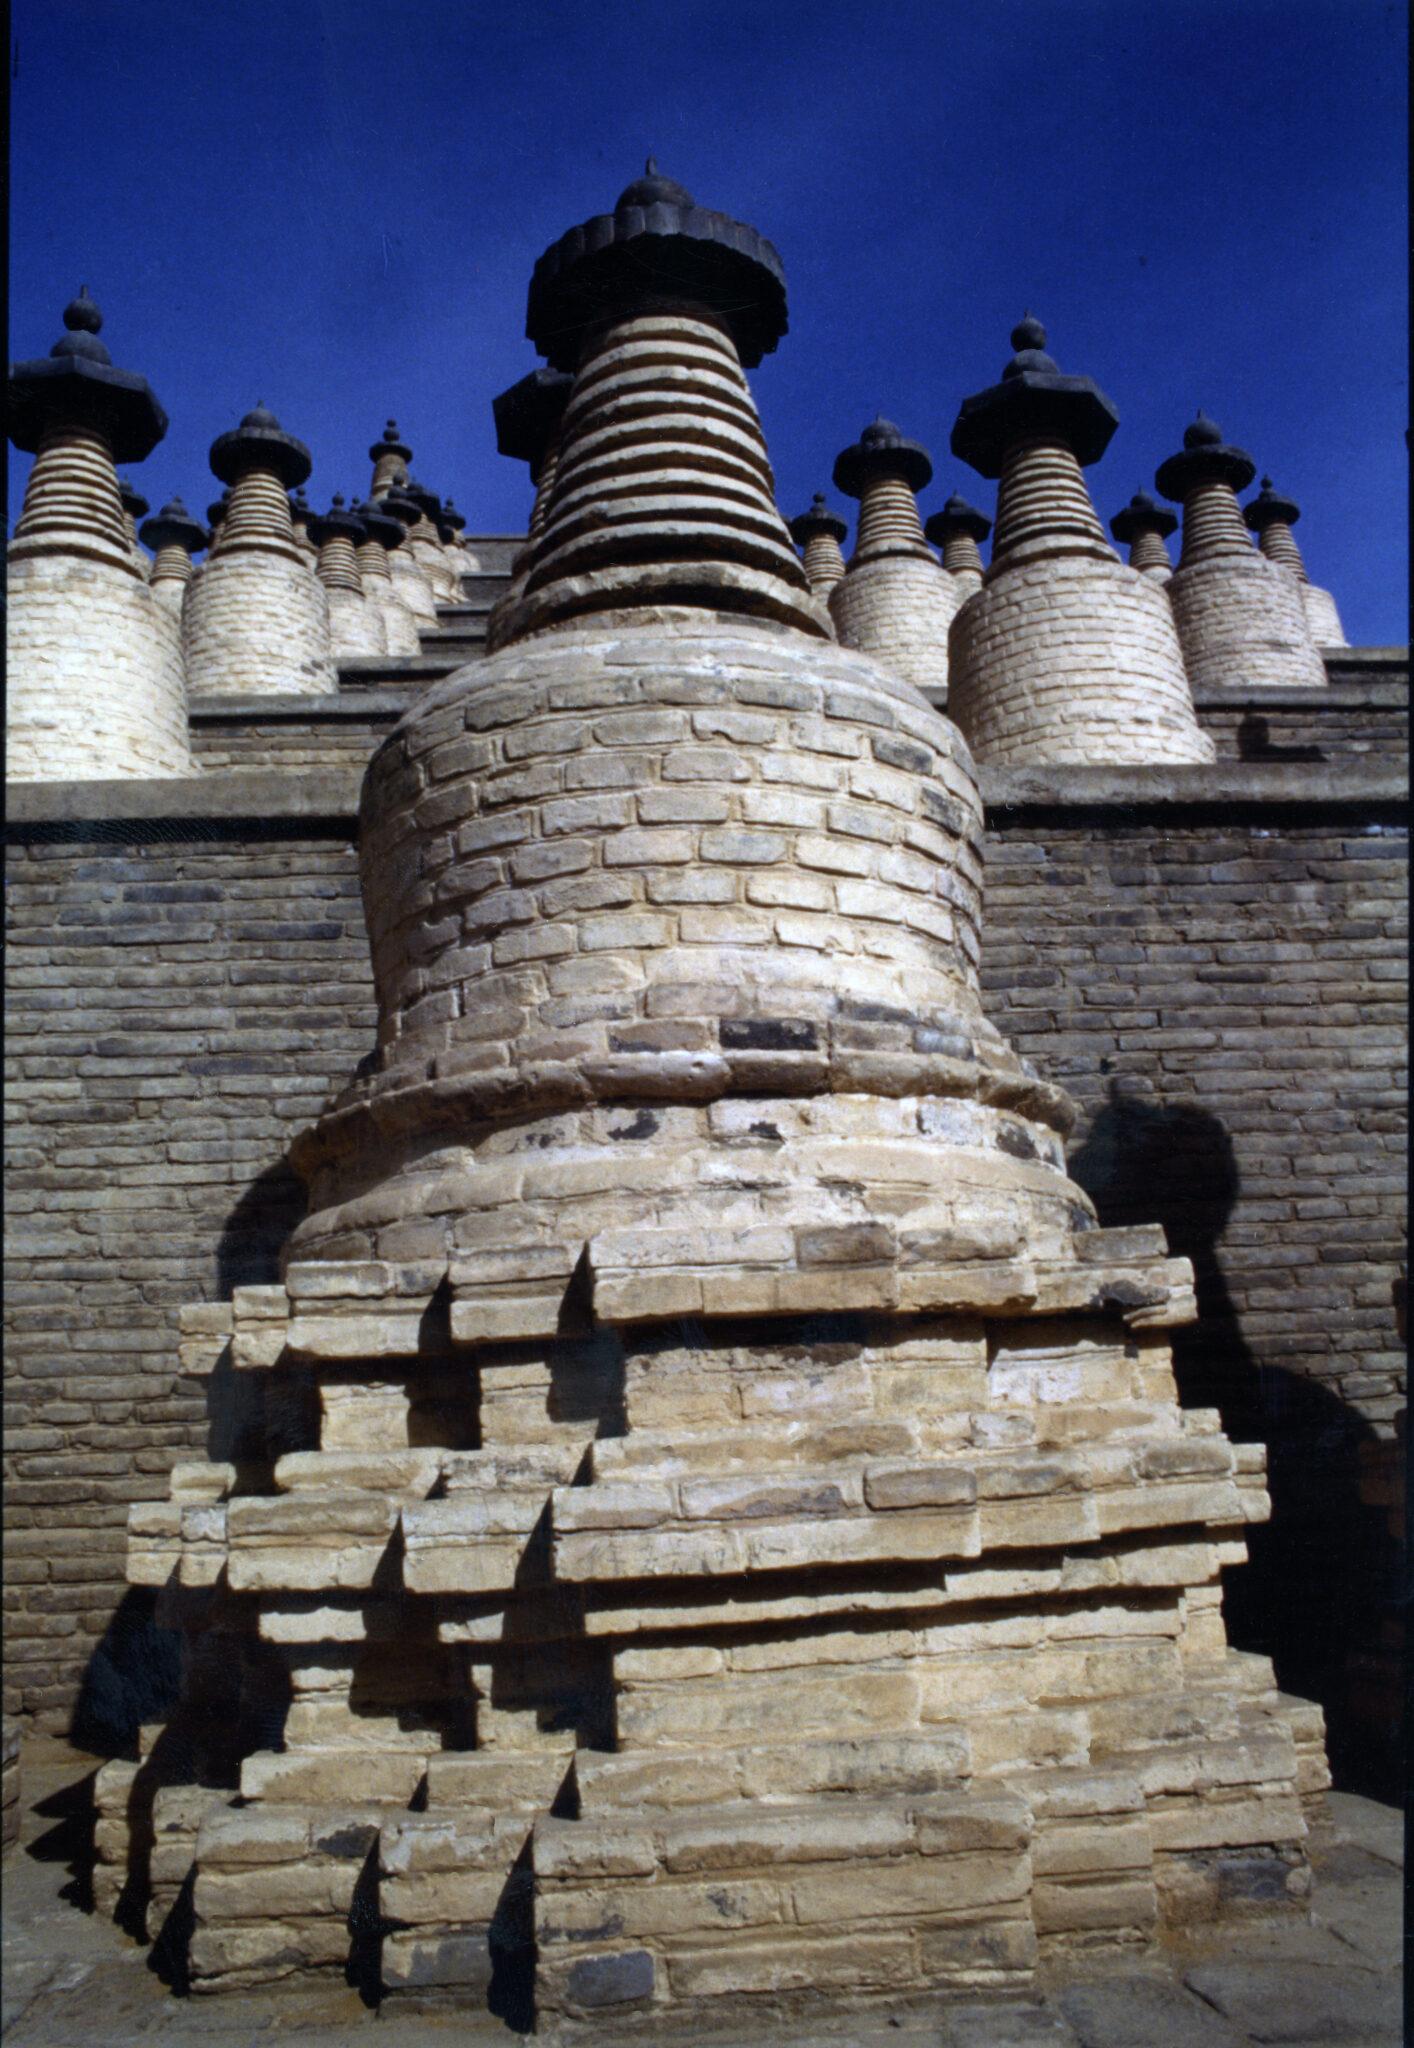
column 1063, row 655
column 818, row 533
column 957, row 530
column 390, row 457
column 528, row 416
column 355, row 626
column 406, row 565
column 1271, row 517
column 104, row 696
column 1143, row 525
column 1240, row 617
column 256, row 620
column 662, row 492
column 174, row 537
column 894, row 602
column 382, row 532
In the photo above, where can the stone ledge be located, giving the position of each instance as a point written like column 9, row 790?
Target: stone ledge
column 1380, row 689
column 228, row 793
column 364, row 672
column 348, row 707
column 1353, row 784
column 1374, row 660
column 332, row 794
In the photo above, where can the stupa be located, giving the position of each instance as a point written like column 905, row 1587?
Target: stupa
column 1143, row 526
column 425, row 541
column 135, row 507
column 1271, row 517
column 451, row 525
column 958, row 530
column 93, row 674
column 894, row 601
column 1240, row 617
column 174, row 537
column 390, row 458
column 381, row 534
column 724, row 1524
column 256, row 620
column 301, row 512
column 355, row 623
column 818, row 534
column 406, row 564
column 527, row 416
column 1065, row 654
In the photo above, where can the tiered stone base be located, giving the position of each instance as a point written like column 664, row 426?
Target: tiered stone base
column 638, row 1668
column 1072, row 659
column 255, row 621
column 899, row 610
column 95, row 686
column 1242, row 622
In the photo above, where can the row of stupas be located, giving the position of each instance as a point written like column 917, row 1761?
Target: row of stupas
column 105, row 645
column 726, row 1526
column 1055, row 651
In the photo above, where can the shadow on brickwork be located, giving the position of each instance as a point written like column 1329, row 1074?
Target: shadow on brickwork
column 131, row 1677
column 254, row 1233
column 1324, row 1572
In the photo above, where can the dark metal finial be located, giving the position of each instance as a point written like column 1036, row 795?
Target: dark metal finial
column 82, row 314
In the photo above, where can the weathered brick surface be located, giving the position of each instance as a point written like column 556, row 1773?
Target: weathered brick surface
column 1071, row 659
column 256, row 620
column 1226, row 1000
column 178, row 1007
column 1250, row 975
column 95, row 681
column 330, row 732
column 1240, row 618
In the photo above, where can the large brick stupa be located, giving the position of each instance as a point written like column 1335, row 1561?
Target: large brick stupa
column 718, row 1521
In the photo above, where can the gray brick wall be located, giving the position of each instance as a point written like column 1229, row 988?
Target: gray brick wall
column 178, row 1007
column 1210, row 960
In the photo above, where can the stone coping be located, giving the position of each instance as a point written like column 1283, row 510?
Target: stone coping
column 331, row 795
column 1381, row 687
column 1358, row 785
column 353, row 703
column 1366, row 657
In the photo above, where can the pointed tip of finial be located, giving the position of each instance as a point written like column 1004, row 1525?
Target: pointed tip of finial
column 1203, row 433
column 1028, row 332
column 650, row 168
column 81, row 314
column 1267, row 483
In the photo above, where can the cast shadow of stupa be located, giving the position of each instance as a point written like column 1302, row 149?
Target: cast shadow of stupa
column 1324, row 1570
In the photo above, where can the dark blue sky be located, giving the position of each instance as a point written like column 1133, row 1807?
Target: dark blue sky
column 335, row 206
